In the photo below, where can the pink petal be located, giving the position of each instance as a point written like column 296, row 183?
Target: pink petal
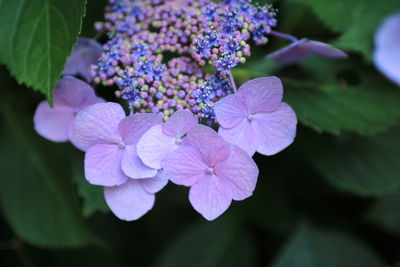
column 53, row 123
column 212, row 146
column 75, row 93
column 98, row 124
column 387, row 48
column 134, row 126
column 241, row 135
column 129, row 201
column 230, row 111
column 103, row 165
column 240, row 170
column 133, row 166
column 274, row 131
column 155, row 184
column 261, row 94
column 85, row 53
column 210, row 197
column 180, row 123
column 185, row 166
column 154, row 145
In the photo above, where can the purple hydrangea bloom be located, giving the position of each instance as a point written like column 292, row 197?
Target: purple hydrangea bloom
column 109, row 139
column 215, row 170
column 300, row 49
column 256, row 119
column 160, row 140
column 70, row 96
column 387, row 48
column 85, row 53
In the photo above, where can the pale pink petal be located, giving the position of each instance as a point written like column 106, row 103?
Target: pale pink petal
column 241, row 135
column 212, row 146
column 180, row 123
column 154, row 145
column 85, row 53
column 129, row 201
column 210, row 197
column 53, row 123
column 98, row 124
column 134, row 126
column 103, row 165
column 185, row 166
column 74, row 93
column 274, row 131
column 133, row 166
column 230, row 111
column 387, row 48
column 261, row 94
column 240, row 170
column 155, row 184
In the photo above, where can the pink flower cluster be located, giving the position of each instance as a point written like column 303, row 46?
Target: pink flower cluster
column 133, row 157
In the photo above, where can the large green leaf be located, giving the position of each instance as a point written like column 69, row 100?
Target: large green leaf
column 37, row 37
column 384, row 213
column 357, row 24
column 37, row 195
column 310, row 247
column 367, row 166
column 210, row 244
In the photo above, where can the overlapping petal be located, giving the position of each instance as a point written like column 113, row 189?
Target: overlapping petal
column 98, row 124
column 180, row 123
column 129, row 201
column 133, row 166
column 103, row 165
column 134, row 126
column 154, row 145
column 242, row 135
column 185, row 166
column 275, row 130
column 210, row 196
column 239, row 171
column 155, row 184
column 261, row 94
column 212, row 147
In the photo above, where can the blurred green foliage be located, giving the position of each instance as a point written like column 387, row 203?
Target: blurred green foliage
column 331, row 199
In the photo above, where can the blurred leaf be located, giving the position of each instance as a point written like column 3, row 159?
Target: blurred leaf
column 36, row 191
column 357, row 24
column 210, row 244
column 37, row 37
column 315, row 248
column 367, row 166
column 384, row 213
column 93, row 198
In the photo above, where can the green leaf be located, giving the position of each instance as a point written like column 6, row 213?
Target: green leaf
column 357, row 24
column 367, row 166
column 310, row 247
column 384, row 213
column 93, row 197
column 37, row 195
column 210, row 244
column 37, row 37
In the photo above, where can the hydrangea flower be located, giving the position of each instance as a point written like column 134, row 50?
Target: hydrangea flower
column 216, row 171
column 162, row 139
column 387, row 48
column 256, row 119
column 85, row 53
column 109, row 139
column 70, row 96
column 301, row 49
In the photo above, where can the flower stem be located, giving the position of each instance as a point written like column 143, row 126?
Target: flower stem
column 284, row 36
column 232, row 82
